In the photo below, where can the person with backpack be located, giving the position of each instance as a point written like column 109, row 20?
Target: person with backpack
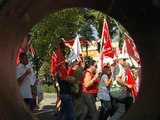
column 118, row 88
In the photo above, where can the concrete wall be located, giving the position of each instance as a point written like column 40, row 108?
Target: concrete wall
column 140, row 17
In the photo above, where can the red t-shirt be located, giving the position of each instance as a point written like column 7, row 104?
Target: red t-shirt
column 70, row 72
column 91, row 89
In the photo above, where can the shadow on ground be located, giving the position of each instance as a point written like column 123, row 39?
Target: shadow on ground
column 46, row 113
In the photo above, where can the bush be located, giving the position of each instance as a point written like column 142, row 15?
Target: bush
column 48, row 89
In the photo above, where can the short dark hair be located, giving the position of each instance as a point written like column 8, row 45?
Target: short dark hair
column 89, row 63
column 74, row 63
column 22, row 55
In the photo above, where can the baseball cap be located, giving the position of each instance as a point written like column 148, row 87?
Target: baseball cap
column 122, row 56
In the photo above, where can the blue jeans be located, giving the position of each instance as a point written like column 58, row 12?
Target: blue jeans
column 106, row 109
column 66, row 111
column 119, row 113
column 90, row 100
column 28, row 102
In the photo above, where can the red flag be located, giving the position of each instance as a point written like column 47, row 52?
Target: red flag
column 18, row 60
column 25, row 43
column 131, row 47
column 69, row 43
column 31, row 49
column 61, row 67
column 25, row 47
column 53, row 63
column 131, row 81
column 106, row 47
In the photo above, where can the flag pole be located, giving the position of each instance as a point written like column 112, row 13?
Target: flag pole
column 101, row 47
column 131, row 60
column 118, row 26
column 133, row 96
column 102, row 36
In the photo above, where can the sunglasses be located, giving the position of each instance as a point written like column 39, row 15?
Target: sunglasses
column 95, row 66
column 124, row 59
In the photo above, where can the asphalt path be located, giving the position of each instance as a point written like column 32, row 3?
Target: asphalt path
column 46, row 108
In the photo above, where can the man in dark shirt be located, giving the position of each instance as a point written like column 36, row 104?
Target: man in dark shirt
column 66, row 110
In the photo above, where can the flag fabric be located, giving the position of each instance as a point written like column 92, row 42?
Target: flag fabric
column 69, row 43
column 130, row 60
column 131, row 47
column 32, row 51
column 106, row 46
column 53, row 63
column 61, row 66
column 25, row 43
column 116, row 49
column 124, row 49
column 131, row 81
column 18, row 60
column 76, row 51
column 106, row 50
column 25, row 47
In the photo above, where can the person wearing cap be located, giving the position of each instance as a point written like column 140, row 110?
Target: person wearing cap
column 119, row 76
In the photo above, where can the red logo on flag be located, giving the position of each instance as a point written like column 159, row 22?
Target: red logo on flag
column 131, row 48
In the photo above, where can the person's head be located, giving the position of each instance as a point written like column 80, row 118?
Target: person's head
column 92, row 65
column 135, row 71
column 74, row 64
column 122, row 59
column 106, row 70
column 23, row 58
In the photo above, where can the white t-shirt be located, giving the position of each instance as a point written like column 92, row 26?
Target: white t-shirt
column 25, row 86
column 32, row 76
column 120, row 72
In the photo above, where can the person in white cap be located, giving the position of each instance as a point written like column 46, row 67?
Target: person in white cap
column 119, row 77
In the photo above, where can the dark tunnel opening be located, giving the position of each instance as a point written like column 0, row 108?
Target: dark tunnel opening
column 141, row 22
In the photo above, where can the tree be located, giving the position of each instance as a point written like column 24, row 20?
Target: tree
column 66, row 24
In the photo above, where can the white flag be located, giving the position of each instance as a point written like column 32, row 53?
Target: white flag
column 76, row 50
column 124, row 49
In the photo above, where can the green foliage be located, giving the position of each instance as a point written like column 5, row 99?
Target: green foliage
column 48, row 89
column 45, row 67
column 63, row 24
column 45, row 72
column 66, row 24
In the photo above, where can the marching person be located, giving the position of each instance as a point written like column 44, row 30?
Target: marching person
column 67, row 109
column 89, row 88
column 23, row 77
column 103, row 93
column 119, row 76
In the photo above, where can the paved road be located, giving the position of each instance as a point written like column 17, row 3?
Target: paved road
column 46, row 108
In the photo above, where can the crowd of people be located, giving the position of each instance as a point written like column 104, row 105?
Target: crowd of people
column 110, row 86
column 84, row 85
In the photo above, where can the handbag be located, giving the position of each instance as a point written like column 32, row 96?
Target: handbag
column 118, row 92
column 74, row 88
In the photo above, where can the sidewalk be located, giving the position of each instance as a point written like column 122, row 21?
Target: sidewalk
column 47, row 108
column 49, row 99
